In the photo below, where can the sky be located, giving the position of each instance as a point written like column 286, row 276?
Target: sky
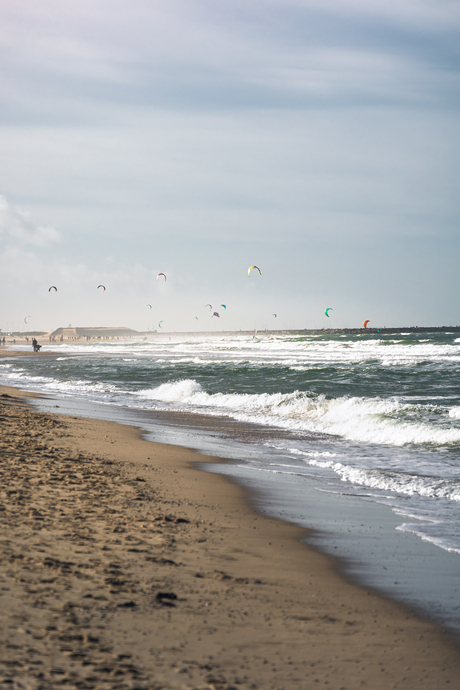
column 316, row 139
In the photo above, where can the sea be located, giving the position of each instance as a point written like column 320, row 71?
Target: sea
column 356, row 437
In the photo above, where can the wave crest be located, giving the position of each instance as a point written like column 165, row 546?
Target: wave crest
column 371, row 420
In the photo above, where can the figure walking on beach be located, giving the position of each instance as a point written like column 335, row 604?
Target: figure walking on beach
column 35, row 345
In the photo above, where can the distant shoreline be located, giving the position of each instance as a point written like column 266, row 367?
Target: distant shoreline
column 111, row 333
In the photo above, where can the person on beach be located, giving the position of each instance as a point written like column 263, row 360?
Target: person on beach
column 35, row 345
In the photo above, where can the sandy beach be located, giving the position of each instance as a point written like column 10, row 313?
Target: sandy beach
column 124, row 566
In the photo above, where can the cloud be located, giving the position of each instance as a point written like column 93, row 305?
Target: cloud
column 93, row 61
column 18, row 229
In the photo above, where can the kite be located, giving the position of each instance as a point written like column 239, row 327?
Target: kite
column 53, row 287
column 366, row 322
column 328, row 309
column 159, row 324
column 196, row 317
column 25, row 318
column 215, row 313
column 250, row 269
column 274, row 315
column 223, row 305
column 149, row 305
column 209, row 305
column 161, row 274
column 102, row 286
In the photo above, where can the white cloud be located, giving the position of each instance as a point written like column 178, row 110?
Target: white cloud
column 18, row 229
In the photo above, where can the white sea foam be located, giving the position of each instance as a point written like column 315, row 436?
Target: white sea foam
column 371, row 420
column 383, row 480
column 179, row 391
column 436, row 540
column 313, row 453
column 410, row 485
column 289, row 351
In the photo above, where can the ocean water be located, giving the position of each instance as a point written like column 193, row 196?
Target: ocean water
column 356, row 436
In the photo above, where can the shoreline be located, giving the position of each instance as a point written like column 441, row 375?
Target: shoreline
column 206, row 593
column 405, row 568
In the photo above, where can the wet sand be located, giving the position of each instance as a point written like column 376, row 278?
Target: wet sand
column 123, row 566
column 23, row 353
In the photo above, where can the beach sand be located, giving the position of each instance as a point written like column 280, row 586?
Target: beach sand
column 123, row 566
